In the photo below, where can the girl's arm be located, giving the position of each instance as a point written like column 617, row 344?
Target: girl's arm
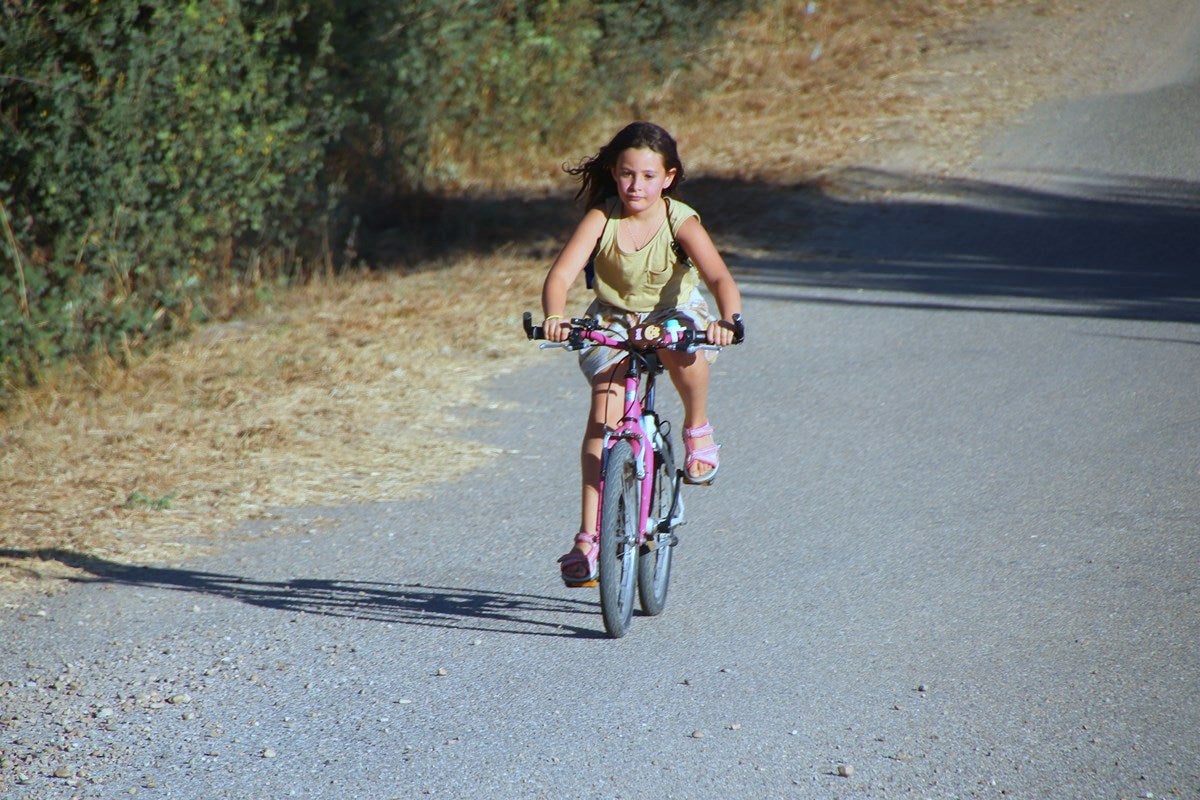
column 566, row 269
column 715, row 273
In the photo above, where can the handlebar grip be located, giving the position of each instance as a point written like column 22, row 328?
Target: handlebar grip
column 737, row 326
column 532, row 331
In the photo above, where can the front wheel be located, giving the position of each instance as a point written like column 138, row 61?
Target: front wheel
column 654, row 562
column 619, row 509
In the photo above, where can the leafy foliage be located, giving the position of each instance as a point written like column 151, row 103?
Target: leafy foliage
column 155, row 152
column 145, row 148
column 441, row 90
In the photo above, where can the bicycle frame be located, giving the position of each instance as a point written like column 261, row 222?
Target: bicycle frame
column 630, row 427
column 643, row 364
column 635, row 556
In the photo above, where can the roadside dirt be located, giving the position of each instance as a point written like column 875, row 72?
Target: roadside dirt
column 349, row 391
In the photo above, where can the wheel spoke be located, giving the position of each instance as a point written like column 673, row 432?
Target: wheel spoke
column 654, row 563
column 619, row 509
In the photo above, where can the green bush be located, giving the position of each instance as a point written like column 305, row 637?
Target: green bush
column 146, row 148
column 444, row 89
column 155, row 152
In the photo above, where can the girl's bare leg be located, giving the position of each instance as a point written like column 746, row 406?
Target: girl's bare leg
column 607, row 405
column 690, row 374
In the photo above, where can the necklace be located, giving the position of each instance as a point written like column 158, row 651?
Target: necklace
column 640, row 234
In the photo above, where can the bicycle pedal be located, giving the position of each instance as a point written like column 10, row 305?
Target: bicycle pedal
column 583, row 585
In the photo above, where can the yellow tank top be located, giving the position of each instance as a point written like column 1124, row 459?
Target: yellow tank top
column 651, row 279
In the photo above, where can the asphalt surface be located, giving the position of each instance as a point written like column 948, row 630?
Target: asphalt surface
column 952, row 551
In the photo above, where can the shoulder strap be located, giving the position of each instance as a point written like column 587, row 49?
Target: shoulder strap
column 676, row 247
column 589, row 269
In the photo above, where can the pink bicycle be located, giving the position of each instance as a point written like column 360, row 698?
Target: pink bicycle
column 640, row 500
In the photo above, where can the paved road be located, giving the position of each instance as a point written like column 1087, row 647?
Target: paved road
column 954, row 548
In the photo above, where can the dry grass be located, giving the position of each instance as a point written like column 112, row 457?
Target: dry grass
column 804, row 88
column 345, row 391
column 342, row 391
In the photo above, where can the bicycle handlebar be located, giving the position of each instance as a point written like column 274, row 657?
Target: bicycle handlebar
column 586, row 329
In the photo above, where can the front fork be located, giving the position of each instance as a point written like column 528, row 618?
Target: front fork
column 651, row 532
column 659, row 531
column 643, row 453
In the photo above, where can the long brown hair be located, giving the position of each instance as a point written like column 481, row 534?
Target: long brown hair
column 595, row 173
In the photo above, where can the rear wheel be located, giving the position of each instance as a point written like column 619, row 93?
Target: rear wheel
column 618, row 539
column 654, row 562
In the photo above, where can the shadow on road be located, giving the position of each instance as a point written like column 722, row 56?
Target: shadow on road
column 1099, row 246
column 1089, row 244
column 406, row 604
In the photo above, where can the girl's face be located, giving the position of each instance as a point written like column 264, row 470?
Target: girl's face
column 641, row 177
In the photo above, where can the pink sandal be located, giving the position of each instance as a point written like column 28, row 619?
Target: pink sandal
column 573, row 560
column 703, row 455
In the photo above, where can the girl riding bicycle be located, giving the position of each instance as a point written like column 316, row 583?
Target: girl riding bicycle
column 649, row 253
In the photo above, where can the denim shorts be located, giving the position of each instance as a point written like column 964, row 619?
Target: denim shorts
column 692, row 313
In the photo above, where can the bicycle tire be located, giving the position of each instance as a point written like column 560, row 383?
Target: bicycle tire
column 618, row 536
column 654, row 563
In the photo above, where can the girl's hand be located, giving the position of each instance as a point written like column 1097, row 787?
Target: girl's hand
column 554, row 330
column 719, row 332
